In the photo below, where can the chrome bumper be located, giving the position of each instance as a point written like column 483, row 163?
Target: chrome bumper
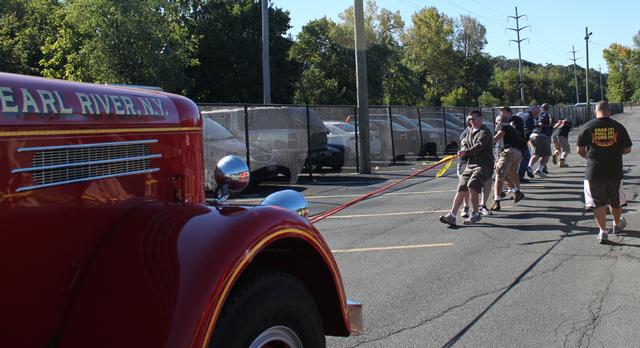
column 355, row 317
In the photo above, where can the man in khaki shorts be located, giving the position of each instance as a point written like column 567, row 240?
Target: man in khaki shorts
column 508, row 161
column 479, row 168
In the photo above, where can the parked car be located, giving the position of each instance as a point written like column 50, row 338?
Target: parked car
column 283, row 130
column 344, row 134
column 333, row 156
column 218, row 141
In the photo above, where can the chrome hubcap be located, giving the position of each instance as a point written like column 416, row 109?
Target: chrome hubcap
column 277, row 337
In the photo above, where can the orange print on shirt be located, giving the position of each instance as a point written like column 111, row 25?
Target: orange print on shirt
column 605, row 137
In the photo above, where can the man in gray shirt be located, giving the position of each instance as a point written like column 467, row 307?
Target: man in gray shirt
column 478, row 151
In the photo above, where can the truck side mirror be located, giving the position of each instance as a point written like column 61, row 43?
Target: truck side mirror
column 231, row 175
column 290, row 200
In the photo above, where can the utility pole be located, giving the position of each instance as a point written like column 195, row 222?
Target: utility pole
column 266, row 76
column 575, row 72
column 361, row 86
column 518, row 41
column 601, row 90
column 587, row 34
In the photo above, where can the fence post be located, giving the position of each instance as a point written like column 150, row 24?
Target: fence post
column 393, row 148
column 309, row 143
column 421, row 152
column 493, row 114
column 444, row 125
column 246, row 136
column 355, row 120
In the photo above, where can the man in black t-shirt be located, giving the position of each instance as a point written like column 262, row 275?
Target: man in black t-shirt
column 508, row 161
column 602, row 143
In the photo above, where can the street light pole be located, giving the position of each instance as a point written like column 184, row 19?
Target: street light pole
column 601, row 90
column 361, row 87
column 587, row 34
column 266, row 76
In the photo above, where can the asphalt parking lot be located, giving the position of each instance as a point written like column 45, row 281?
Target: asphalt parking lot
column 531, row 275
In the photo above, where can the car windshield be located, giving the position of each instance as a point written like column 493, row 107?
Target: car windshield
column 214, row 131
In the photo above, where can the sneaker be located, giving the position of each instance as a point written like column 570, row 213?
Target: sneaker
column 465, row 212
column 448, row 219
column 545, row 170
column 483, row 210
column 540, row 173
column 475, row 217
column 563, row 164
column 495, row 206
column 530, row 172
column 603, row 237
column 517, row 196
column 622, row 223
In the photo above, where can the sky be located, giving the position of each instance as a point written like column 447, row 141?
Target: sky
column 555, row 26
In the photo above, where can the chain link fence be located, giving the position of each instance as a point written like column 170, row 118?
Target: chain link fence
column 289, row 141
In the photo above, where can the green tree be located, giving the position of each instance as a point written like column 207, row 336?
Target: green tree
column 230, row 53
column 430, row 54
column 121, row 41
column 487, row 99
column 318, row 53
column 469, row 36
column 457, row 97
column 25, row 25
column 622, row 63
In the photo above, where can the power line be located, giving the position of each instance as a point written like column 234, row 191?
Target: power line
column 575, row 72
column 517, row 29
column 490, row 9
column 473, row 13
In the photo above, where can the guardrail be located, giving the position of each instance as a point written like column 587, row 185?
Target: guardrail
column 291, row 139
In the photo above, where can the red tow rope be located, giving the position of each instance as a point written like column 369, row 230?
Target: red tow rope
column 332, row 211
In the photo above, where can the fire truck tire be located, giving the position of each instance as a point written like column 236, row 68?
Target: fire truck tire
column 269, row 308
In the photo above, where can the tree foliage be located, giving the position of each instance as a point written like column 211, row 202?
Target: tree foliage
column 210, row 50
column 230, row 53
column 129, row 42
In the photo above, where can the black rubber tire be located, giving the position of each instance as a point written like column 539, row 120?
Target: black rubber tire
column 263, row 300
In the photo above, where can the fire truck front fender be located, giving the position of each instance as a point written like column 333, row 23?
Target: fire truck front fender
column 160, row 279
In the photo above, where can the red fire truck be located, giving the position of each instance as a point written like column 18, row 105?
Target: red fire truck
column 106, row 240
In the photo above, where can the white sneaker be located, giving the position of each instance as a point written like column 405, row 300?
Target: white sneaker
column 448, row 219
column 603, row 236
column 475, row 217
column 622, row 223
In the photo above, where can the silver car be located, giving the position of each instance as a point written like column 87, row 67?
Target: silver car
column 219, row 142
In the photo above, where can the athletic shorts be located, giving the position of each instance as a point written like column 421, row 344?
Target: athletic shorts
column 508, row 163
column 540, row 145
column 473, row 178
column 563, row 142
column 604, row 193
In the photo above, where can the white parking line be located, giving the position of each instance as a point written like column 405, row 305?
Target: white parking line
column 398, row 247
column 387, row 214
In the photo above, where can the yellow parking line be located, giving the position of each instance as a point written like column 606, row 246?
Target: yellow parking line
column 387, row 214
column 398, row 247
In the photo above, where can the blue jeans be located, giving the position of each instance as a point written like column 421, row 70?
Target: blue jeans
column 526, row 156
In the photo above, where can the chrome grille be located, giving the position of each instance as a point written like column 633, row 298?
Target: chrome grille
column 58, row 165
